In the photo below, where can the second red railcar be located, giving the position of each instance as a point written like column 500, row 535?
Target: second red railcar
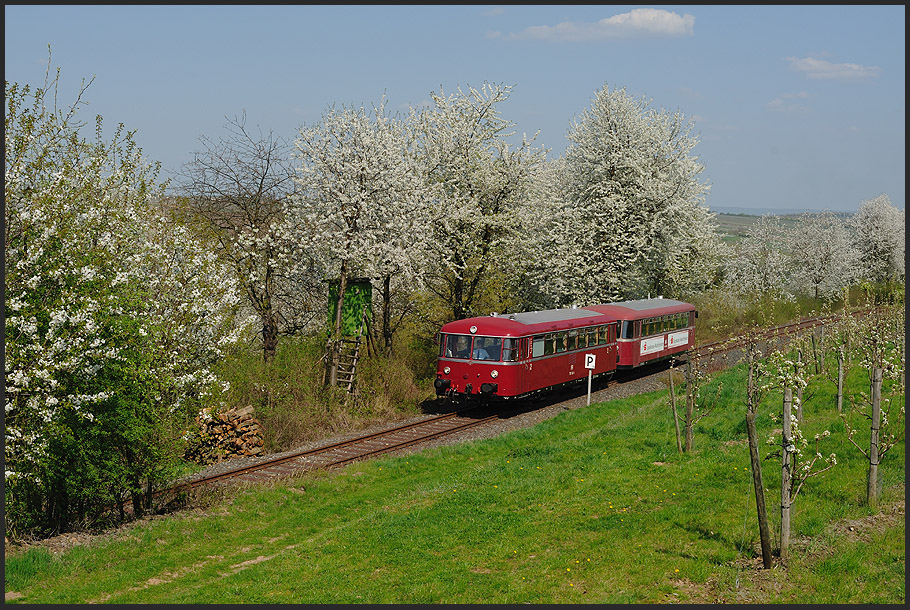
column 651, row 329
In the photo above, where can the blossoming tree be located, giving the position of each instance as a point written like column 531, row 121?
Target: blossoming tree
column 821, row 256
column 878, row 233
column 759, row 264
column 631, row 219
column 360, row 197
column 113, row 318
column 478, row 180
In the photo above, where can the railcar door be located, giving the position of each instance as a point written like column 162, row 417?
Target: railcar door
column 524, row 368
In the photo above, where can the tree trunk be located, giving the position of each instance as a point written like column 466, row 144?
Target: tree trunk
column 814, row 353
column 757, row 484
column 799, row 389
column 458, row 309
column 386, row 312
column 690, row 404
column 785, row 476
column 872, row 488
column 336, row 334
column 679, row 448
column 821, row 348
column 840, row 379
column 269, row 337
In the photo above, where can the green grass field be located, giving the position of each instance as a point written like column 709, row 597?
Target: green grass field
column 592, row 506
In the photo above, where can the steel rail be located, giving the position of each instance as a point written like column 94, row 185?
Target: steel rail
column 316, row 450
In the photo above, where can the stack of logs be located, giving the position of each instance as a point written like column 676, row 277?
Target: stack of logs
column 225, row 435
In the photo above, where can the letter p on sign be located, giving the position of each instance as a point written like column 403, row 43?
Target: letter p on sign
column 589, row 360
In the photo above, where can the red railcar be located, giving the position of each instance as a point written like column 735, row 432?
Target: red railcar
column 516, row 354
column 651, row 329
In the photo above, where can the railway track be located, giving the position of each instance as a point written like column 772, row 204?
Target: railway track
column 423, row 431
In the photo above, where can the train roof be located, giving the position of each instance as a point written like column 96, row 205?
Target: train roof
column 520, row 324
column 531, row 322
column 643, row 308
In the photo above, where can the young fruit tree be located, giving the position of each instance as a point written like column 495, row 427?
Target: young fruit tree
column 114, row 316
column 630, row 218
column 477, row 182
column 795, row 467
column 238, row 190
column 883, row 356
column 755, row 391
column 361, row 198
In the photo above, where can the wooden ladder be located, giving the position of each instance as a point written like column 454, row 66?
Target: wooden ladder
column 349, row 354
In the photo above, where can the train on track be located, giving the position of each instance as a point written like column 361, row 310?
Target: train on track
column 514, row 355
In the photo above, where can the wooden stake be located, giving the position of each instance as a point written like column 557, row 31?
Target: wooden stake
column 785, row 476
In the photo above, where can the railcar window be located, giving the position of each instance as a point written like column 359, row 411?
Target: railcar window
column 509, row 350
column 592, row 336
column 572, row 340
column 560, row 341
column 537, row 347
column 549, row 345
column 627, row 329
column 458, row 346
column 442, row 345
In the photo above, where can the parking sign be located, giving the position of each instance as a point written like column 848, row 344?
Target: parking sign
column 589, row 360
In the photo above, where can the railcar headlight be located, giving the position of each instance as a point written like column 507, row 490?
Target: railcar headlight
column 494, row 373
column 447, row 370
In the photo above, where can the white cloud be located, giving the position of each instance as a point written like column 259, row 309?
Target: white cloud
column 785, row 103
column 821, row 69
column 692, row 93
column 635, row 23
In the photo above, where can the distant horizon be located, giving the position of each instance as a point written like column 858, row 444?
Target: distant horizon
column 762, row 211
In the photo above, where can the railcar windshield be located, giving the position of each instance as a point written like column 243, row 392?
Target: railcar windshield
column 487, row 348
column 479, row 348
column 457, row 346
column 509, row 350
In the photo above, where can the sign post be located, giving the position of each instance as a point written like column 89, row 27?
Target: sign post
column 589, row 364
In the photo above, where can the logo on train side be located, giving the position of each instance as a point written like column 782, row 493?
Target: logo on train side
column 676, row 339
column 654, row 344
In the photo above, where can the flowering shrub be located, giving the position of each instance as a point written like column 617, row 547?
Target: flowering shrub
column 113, row 317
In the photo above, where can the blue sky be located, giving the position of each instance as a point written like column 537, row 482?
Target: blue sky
column 797, row 107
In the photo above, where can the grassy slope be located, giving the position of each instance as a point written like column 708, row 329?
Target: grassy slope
column 593, row 506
